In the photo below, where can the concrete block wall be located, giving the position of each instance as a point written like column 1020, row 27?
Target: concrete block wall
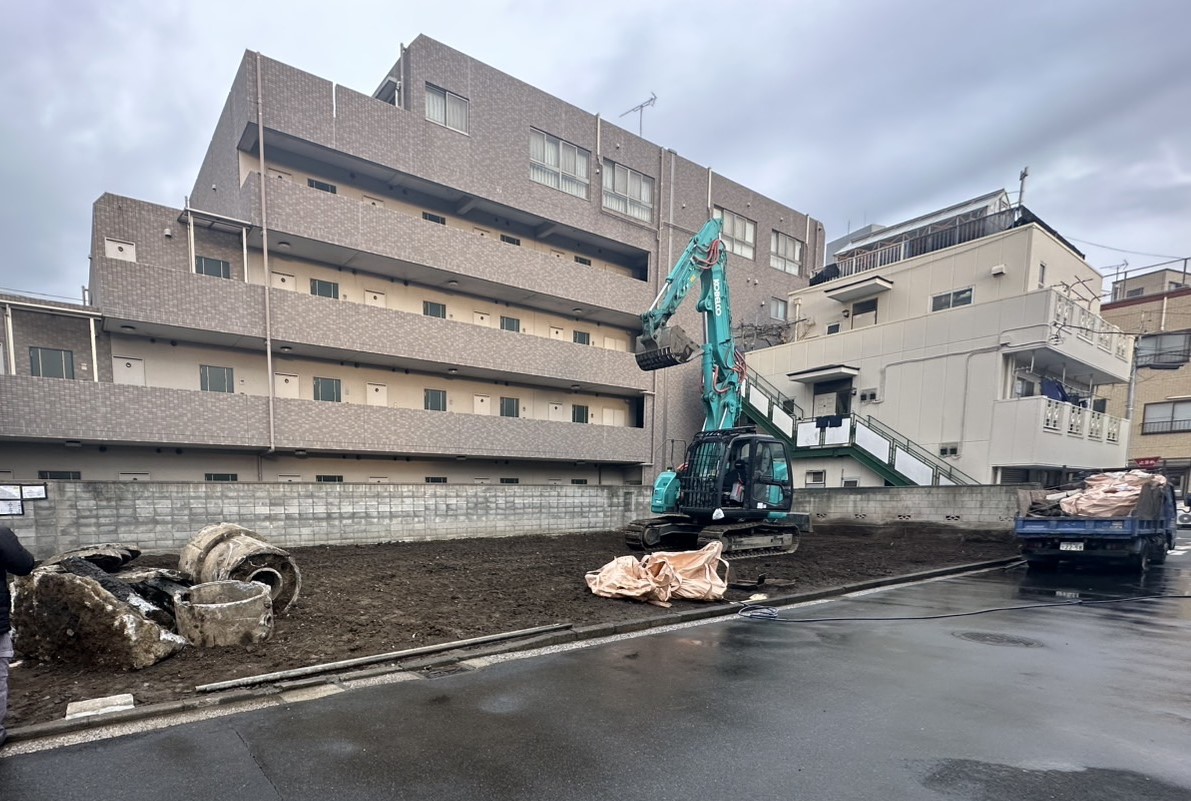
column 165, row 515
column 971, row 507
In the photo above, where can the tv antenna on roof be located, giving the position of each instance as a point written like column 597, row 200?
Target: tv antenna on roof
column 640, row 109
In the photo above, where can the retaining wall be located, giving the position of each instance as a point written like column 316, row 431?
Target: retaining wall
column 165, row 515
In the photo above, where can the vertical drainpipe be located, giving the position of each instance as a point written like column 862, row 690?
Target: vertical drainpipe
column 190, row 233
column 709, row 193
column 94, row 351
column 260, row 136
column 12, row 348
column 244, row 250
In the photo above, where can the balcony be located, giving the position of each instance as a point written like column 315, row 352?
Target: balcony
column 356, row 428
column 1059, row 337
column 120, row 413
column 347, row 232
column 88, row 411
column 1042, row 432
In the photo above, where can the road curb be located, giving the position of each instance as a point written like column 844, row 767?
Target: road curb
column 56, row 728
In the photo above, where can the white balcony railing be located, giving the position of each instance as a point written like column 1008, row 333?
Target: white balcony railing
column 1067, row 315
column 1040, row 430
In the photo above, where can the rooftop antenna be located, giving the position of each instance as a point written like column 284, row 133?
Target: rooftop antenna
column 1021, row 191
column 640, row 109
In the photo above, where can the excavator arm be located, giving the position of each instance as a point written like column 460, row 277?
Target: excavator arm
column 663, row 345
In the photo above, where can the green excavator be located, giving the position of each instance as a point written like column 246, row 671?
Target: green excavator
column 735, row 484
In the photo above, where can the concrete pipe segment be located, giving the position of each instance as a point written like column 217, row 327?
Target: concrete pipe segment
column 227, row 551
column 224, row 613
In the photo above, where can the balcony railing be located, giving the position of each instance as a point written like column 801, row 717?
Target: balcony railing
column 1076, row 421
column 1069, row 316
column 1166, row 427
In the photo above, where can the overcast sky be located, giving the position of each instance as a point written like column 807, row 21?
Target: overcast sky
column 854, row 112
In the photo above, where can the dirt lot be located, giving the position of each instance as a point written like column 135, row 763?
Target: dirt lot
column 363, row 600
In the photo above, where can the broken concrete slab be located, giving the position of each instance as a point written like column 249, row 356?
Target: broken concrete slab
column 99, row 706
column 109, row 556
column 60, row 616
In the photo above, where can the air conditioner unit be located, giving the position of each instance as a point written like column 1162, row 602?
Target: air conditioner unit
column 998, row 269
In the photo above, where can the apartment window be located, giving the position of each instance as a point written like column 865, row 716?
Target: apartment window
column 328, row 389
column 510, row 240
column 1166, row 350
column 580, row 413
column 578, row 480
column 216, row 268
column 1041, row 275
column 785, row 253
column 329, row 479
column 778, row 309
column 432, row 309
column 321, row 186
column 436, row 479
column 833, row 328
column 51, row 363
column 434, row 400
column 864, row 307
column 581, row 338
column 216, row 379
column 951, row 300
column 848, row 483
column 628, row 191
column 868, row 395
column 59, row 475
column 438, row 219
column 1175, row 285
column 1167, row 418
column 739, row 234
column 510, row 481
column 510, row 323
column 324, row 289
column 558, row 164
column 510, row 407
column 446, row 108
column 948, row 449
column 816, row 478
column 1135, row 293
column 221, row 477
column 583, row 260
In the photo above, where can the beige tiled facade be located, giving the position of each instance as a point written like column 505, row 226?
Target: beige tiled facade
column 394, row 300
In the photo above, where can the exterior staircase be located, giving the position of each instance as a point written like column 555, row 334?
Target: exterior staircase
column 887, row 453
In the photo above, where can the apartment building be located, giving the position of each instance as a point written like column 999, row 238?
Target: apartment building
column 962, row 346
column 440, row 281
column 1158, row 400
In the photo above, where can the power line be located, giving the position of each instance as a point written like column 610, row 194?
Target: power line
column 1131, row 252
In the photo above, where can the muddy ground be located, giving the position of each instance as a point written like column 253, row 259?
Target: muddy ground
column 363, row 600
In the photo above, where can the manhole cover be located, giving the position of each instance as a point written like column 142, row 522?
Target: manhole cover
column 989, row 638
column 443, row 670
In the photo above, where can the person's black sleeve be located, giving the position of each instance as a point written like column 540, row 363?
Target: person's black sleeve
column 13, row 556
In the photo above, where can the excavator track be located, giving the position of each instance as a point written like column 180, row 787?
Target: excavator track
column 742, row 540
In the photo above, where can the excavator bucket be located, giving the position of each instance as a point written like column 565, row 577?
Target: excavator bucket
column 671, row 347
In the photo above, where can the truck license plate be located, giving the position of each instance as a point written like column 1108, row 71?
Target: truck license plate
column 1070, row 546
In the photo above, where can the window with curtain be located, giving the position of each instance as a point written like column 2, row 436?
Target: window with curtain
column 558, row 164
column 739, row 234
column 628, row 191
column 1167, row 418
column 785, row 253
column 446, row 108
column 778, row 309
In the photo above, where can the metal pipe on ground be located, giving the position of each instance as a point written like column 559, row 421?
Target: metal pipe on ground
column 328, row 667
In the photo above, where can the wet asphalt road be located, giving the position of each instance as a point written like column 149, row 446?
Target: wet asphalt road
column 1079, row 703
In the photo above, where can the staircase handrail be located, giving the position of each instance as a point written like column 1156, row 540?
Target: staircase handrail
column 956, row 475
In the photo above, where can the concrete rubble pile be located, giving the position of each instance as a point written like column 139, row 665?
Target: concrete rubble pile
column 95, row 606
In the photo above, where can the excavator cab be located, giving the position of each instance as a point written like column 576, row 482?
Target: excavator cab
column 736, row 474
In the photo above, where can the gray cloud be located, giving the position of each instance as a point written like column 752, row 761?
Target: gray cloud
column 854, row 112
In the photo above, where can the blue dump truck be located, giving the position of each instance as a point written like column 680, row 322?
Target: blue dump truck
column 1132, row 535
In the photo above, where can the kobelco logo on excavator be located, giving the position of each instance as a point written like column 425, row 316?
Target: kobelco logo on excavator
column 716, row 296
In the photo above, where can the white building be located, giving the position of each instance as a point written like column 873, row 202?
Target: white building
column 964, row 346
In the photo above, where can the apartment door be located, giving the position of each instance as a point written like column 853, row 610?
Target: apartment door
column 555, row 332
column 484, row 232
column 374, row 298
column 832, row 398
column 481, row 404
column 480, row 318
column 557, row 412
column 378, row 479
column 134, row 476
column 613, row 417
column 285, row 385
column 127, row 370
column 376, row 394
column 614, row 343
column 284, row 281
column 289, row 478
column 373, row 201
